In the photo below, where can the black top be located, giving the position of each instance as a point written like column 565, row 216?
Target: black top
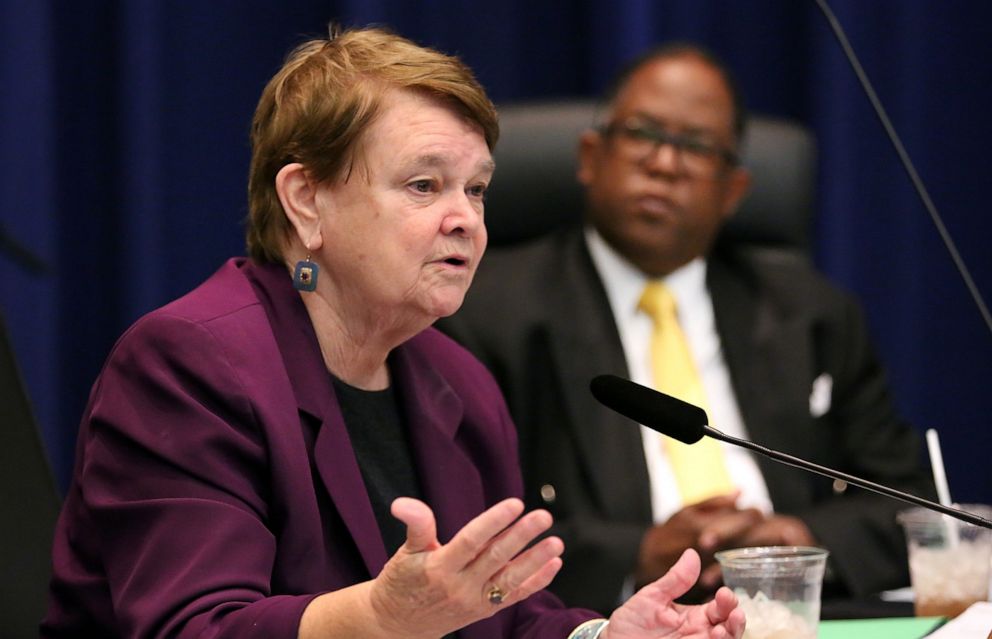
column 382, row 448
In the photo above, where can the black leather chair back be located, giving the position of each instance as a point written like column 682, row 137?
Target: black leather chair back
column 535, row 189
column 29, row 505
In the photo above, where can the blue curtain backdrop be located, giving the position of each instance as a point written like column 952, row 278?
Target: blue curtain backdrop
column 123, row 139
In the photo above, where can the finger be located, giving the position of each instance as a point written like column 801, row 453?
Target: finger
column 725, row 610
column 778, row 530
column 679, row 578
column 421, row 527
column 736, row 623
column 539, row 579
column 513, row 577
column 720, row 632
column 711, row 576
column 468, row 542
column 727, row 527
column 719, row 502
column 505, row 546
column 723, row 604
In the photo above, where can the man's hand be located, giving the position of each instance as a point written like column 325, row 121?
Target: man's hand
column 700, row 526
column 708, row 527
column 776, row 530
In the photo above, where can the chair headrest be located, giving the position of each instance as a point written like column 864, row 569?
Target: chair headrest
column 536, row 190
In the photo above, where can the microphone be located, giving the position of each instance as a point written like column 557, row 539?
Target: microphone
column 688, row 424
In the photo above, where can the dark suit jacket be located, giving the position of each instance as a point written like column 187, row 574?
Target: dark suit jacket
column 538, row 316
column 216, row 491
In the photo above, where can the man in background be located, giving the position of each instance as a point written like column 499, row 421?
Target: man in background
column 643, row 290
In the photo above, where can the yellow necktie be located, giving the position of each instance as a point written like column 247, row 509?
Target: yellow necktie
column 700, row 470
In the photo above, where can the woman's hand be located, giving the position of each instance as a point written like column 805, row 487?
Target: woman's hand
column 428, row 589
column 652, row 614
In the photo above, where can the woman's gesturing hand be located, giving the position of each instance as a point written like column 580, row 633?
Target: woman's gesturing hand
column 429, row 589
column 652, row 614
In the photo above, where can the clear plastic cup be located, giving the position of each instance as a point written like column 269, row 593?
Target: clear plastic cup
column 949, row 560
column 778, row 587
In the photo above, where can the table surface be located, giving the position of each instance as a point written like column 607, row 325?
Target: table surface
column 893, row 628
column 872, row 618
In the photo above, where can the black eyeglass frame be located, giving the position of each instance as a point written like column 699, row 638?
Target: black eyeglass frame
column 682, row 142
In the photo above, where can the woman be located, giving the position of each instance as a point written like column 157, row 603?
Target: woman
column 257, row 457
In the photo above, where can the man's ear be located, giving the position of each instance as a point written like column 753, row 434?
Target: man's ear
column 297, row 192
column 738, row 184
column 590, row 147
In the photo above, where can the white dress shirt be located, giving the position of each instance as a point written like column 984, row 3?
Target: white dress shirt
column 624, row 285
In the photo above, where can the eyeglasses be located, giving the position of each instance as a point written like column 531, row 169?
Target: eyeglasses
column 698, row 155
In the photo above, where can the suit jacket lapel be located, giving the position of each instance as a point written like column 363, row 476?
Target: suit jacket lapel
column 333, row 453
column 338, row 468
column 767, row 352
column 585, row 343
column 449, row 480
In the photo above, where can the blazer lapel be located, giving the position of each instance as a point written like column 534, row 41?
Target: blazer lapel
column 338, row 468
column 768, row 355
column 333, row 453
column 449, row 480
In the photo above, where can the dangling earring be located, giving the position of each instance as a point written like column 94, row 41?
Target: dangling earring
column 305, row 275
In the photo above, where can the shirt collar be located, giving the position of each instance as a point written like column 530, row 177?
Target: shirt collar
column 624, row 282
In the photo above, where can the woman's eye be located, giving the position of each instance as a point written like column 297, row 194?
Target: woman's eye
column 479, row 190
column 422, row 186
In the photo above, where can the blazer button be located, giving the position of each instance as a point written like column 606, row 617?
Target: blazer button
column 840, row 486
column 548, row 493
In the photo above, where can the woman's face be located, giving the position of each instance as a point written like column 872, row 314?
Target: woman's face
column 404, row 233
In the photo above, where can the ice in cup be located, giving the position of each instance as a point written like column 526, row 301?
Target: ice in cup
column 778, row 587
column 949, row 560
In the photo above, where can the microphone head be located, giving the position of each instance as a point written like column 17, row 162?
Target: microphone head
column 667, row 415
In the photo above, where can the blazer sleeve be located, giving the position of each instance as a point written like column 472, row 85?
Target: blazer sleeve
column 174, row 491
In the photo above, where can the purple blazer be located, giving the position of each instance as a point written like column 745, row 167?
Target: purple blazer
column 216, row 493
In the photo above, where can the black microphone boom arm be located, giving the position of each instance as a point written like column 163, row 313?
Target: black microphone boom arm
column 685, row 422
column 851, row 479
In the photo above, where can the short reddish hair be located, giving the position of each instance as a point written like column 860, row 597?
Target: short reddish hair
column 316, row 108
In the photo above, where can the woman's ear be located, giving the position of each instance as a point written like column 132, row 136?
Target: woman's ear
column 298, row 195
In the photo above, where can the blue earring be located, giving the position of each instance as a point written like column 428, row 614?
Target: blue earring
column 305, row 275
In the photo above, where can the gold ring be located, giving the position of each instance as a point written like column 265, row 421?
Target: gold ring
column 495, row 595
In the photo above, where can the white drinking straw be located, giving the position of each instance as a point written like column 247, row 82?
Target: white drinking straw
column 937, row 465
column 940, row 480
